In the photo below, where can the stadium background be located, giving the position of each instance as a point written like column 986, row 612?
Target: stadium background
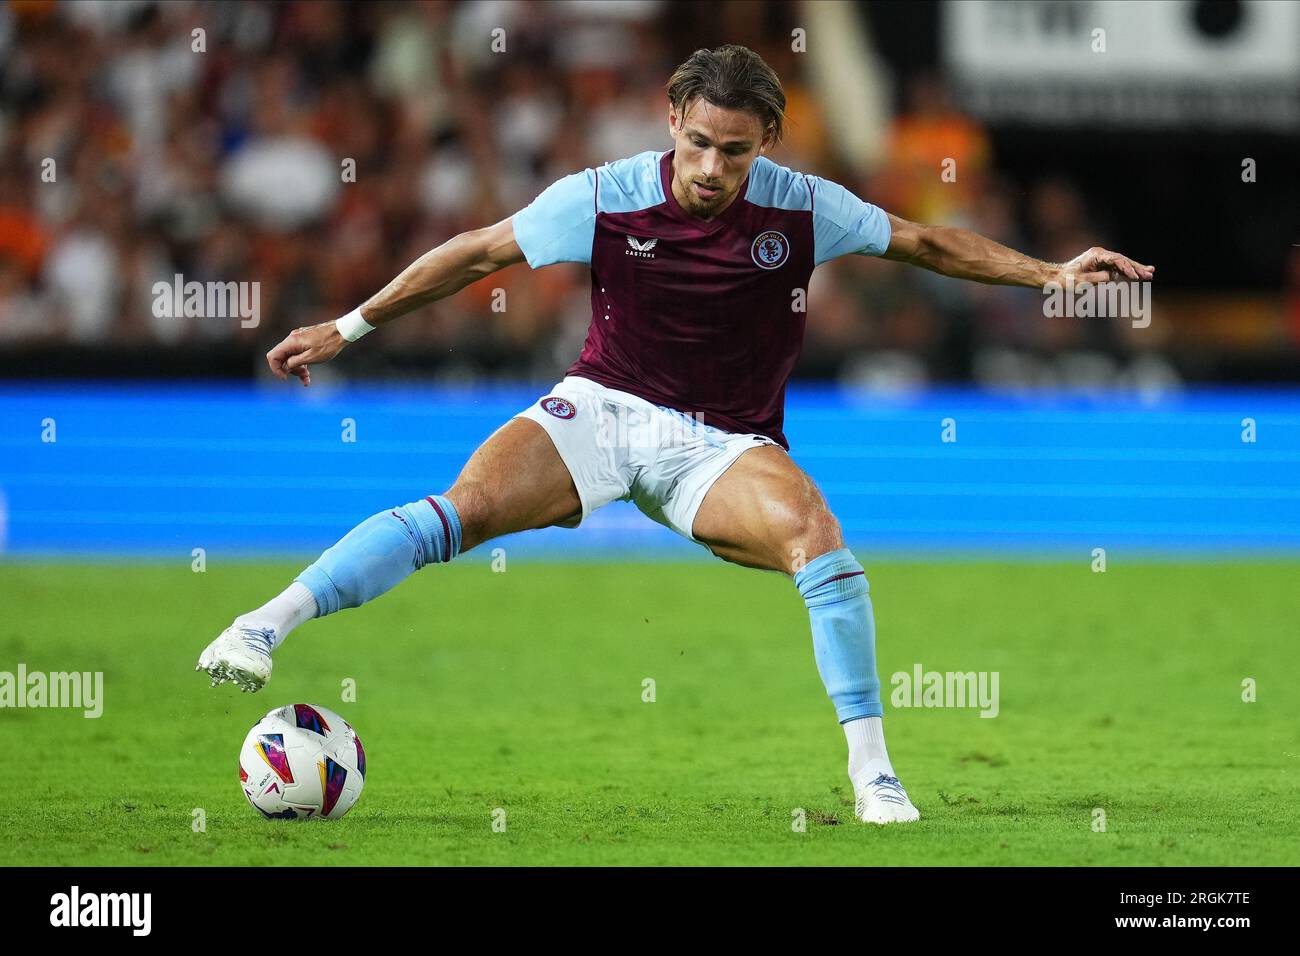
column 227, row 164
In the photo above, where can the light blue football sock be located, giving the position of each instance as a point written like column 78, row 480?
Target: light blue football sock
column 834, row 587
column 381, row 552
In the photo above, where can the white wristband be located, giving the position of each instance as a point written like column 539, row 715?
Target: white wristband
column 352, row 326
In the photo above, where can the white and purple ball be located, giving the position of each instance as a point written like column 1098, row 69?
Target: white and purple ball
column 302, row 761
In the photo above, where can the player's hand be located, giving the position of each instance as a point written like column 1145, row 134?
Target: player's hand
column 302, row 347
column 1102, row 265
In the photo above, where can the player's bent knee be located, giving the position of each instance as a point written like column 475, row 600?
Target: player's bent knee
column 810, row 533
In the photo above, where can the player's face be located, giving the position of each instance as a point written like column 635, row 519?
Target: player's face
column 714, row 149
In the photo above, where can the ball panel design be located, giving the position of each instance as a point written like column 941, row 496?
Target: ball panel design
column 270, row 747
column 302, row 761
column 309, row 718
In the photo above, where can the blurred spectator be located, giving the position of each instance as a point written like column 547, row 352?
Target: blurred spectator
column 316, row 148
column 937, row 158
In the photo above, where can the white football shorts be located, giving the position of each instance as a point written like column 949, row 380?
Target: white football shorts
column 619, row 447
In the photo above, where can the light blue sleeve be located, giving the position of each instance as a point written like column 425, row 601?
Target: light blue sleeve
column 560, row 224
column 843, row 224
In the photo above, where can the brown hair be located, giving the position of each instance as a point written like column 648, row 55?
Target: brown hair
column 735, row 78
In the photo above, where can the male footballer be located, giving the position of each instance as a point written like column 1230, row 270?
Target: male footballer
column 677, row 400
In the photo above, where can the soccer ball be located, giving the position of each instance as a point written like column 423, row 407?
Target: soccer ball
column 302, row 761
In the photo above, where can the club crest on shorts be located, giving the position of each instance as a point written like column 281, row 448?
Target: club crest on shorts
column 559, row 407
column 770, row 249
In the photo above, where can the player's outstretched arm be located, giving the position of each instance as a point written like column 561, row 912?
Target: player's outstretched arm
column 437, row 274
column 967, row 255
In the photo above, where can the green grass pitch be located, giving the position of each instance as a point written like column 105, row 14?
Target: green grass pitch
column 523, row 691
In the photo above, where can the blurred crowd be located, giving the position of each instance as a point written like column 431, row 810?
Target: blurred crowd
column 317, row 148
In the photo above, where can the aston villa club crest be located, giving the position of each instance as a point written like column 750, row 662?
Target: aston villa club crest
column 770, row 250
column 559, row 407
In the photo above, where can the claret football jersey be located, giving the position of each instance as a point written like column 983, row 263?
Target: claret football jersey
column 706, row 317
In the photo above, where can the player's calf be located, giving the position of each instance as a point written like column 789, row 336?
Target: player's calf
column 372, row 558
column 765, row 512
column 834, row 587
column 516, row 480
column 381, row 552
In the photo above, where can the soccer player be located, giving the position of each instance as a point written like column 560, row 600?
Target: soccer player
column 676, row 402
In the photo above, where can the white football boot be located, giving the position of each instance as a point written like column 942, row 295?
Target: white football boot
column 880, row 798
column 241, row 655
